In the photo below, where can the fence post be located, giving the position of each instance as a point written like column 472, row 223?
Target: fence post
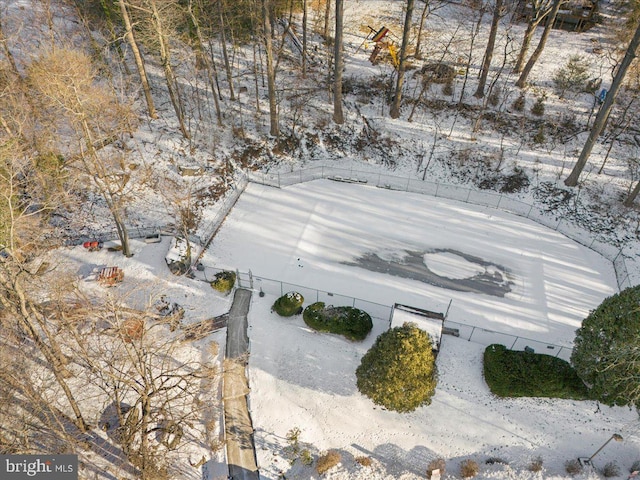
column 472, row 330
column 514, row 343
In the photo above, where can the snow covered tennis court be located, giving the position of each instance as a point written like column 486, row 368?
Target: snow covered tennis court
column 311, row 234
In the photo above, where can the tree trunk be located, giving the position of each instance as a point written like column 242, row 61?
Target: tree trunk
column 271, row 73
column 7, row 51
column 123, row 235
column 541, row 44
column 423, row 17
column 138, row 58
column 474, row 35
column 327, row 15
column 397, row 97
column 524, row 48
column 338, row 114
column 488, row 54
column 304, row 38
column 632, row 195
column 207, row 61
column 603, row 114
column 51, row 351
column 165, row 58
column 225, row 55
column 541, row 9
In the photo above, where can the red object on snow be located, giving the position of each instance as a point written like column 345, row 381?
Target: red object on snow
column 92, row 246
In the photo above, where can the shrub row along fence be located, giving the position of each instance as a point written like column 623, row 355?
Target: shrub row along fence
column 459, row 193
column 381, row 314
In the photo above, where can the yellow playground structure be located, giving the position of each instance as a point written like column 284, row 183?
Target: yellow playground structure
column 381, row 43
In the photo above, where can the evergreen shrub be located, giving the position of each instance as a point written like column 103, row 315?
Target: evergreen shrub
column 350, row 322
column 224, row 281
column 289, row 304
column 512, row 373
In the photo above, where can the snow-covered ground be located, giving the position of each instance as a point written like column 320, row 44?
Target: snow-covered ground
column 304, row 235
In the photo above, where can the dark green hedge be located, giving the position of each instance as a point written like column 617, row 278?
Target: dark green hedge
column 289, row 304
column 512, row 373
column 351, row 322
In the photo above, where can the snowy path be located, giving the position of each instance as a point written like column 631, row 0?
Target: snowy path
column 241, row 455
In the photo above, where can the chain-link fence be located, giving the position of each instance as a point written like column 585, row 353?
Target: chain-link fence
column 133, row 232
column 460, row 193
column 488, row 337
column 381, row 314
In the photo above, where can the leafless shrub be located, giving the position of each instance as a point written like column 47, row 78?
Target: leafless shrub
column 327, row 461
column 611, row 469
column 436, row 464
column 469, row 468
column 535, row 465
column 572, row 467
column 364, row 461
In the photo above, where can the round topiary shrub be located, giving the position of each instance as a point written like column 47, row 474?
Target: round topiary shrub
column 350, row 322
column 399, row 370
column 224, row 281
column 289, row 304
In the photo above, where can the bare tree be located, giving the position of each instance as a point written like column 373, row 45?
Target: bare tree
column 397, row 98
column 603, row 114
column 327, row 16
column 163, row 39
column 304, row 38
column 133, row 44
column 539, row 11
column 223, row 45
column 29, row 181
column 271, row 71
column 498, row 12
column 64, row 82
column 148, row 388
column 338, row 66
column 211, row 73
column 522, row 80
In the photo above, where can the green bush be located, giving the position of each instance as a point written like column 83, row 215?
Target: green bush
column 523, row 374
column 538, row 106
column 289, row 304
column 351, row 322
column 605, row 349
column 399, row 370
column 573, row 76
column 224, row 281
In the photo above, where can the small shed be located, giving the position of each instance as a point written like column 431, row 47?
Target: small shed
column 430, row 322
